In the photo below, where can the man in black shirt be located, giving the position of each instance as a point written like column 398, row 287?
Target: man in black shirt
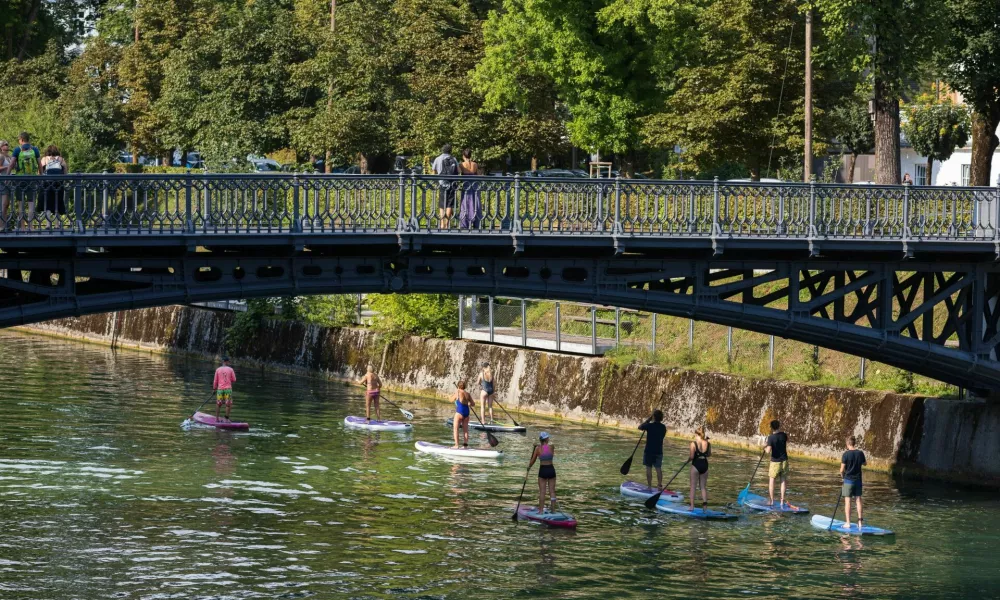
column 652, row 456
column 850, row 470
column 777, row 445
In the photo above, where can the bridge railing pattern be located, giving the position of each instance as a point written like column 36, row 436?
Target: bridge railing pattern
column 287, row 203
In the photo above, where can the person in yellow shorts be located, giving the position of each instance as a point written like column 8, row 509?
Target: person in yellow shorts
column 777, row 445
column 225, row 377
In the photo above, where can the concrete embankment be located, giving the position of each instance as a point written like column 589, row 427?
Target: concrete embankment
column 908, row 434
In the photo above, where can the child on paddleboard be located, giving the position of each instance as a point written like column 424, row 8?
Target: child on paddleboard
column 463, row 400
column 652, row 456
column 850, row 470
column 698, row 454
column 373, row 385
column 543, row 453
column 225, row 377
column 777, row 445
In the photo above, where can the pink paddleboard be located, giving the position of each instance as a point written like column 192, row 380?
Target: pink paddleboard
column 207, row 419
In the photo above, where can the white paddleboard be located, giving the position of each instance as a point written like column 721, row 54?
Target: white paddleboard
column 632, row 489
column 821, row 522
column 362, row 423
column 430, row 448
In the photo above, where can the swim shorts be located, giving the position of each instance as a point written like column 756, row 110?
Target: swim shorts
column 852, row 489
column 778, row 470
column 224, row 397
column 546, row 472
column 649, row 460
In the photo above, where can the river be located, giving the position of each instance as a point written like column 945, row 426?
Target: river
column 103, row 495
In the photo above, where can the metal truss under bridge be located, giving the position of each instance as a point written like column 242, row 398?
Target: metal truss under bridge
column 904, row 275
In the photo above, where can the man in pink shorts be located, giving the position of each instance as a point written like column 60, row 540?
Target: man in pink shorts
column 223, row 386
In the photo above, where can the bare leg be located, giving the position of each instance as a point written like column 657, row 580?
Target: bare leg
column 491, row 409
column 448, row 212
column 229, row 408
column 456, row 427
column 847, row 512
column 378, row 409
column 465, row 427
column 659, row 478
column 541, row 495
column 784, row 487
column 694, row 478
column 552, row 495
column 218, row 410
column 860, row 517
column 704, row 487
column 649, row 476
column 770, row 491
column 368, row 407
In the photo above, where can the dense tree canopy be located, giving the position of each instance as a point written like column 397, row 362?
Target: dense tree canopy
column 523, row 80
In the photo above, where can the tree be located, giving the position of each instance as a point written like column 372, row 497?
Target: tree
column 887, row 41
column 416, row 314
column 852, row 127
column 935, row 129
column 970, row 62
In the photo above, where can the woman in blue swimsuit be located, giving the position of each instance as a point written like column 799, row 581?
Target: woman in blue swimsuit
column 463, row 400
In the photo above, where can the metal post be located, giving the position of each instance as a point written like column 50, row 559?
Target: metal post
column 189, row 220
column 618, row 327
column 558, row 330
column 104, row 201
column 906, row 214
column 618, row 204
column 515, row 224
column 401, row 221
column 492, row 325
column 461, row 316
column 600, row 207
column 716, row 227
column 812, row 211
column 692, row 210
column 414, row 219
column 296, row 209
column 78, row 205
column 861, row 373
column 770, row 354
column 652, row 338
column 729, row 345
column 691, row 333
column 808, row 166
column 524, row 323
column 593, row 329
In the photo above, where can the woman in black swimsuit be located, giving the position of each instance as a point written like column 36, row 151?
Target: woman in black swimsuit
column 699, row 452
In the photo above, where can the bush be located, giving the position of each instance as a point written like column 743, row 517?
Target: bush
column 129, row 168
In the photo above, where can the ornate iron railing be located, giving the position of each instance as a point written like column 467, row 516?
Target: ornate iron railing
column 287, row 203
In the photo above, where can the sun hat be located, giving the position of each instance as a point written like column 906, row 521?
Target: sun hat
column 543, row 435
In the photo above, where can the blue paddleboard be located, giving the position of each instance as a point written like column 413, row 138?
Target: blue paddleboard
column 821, row 522
column 698, row 513
column 751, row 500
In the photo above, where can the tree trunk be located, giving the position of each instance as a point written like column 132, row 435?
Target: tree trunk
column 534, row 163
column 984, row 144
column 850, row 167
column 886, row 135
column 32, row 17
column 930, row 171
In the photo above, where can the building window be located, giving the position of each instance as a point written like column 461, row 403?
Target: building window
column 920, row 175
column 965, row 175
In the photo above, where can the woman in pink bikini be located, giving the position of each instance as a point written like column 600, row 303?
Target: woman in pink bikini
column 373, row 386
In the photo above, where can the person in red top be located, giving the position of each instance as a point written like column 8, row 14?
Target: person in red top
column 223, row 386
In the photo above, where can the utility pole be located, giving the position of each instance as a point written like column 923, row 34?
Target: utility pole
column 808, row 166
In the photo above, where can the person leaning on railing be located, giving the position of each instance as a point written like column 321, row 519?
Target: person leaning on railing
column 6, row 167
column 26, row 162
column 53, row 163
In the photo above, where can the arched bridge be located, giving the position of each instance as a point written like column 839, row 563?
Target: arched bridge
column 904, row 275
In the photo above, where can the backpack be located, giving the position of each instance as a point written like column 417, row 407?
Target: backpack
column 54, row 167
column 449, row 166
column 27, row 161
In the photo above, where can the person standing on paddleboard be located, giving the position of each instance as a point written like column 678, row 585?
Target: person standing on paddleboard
column 486, row 396
column 850, row 470
column 373, row 387
column 463, row 401
column 698, row 454
column 777, row 445
column 225, row 377
column 543, row 453
column 652, row 456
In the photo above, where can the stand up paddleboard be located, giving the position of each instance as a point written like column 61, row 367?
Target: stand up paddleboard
column 751, row 500
column 821, row 522
column 552, row 519
column 697, row 513
column 211, row 421
column 362, row 423
column 632, row 489
column 493, row 428
column 463, row 452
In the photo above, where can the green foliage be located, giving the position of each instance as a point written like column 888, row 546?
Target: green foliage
column 811, row 369
column 935, row 129
column 246, row 325
column 328, row 311
column 418, row 314
column 852, row 126
column 152, row 169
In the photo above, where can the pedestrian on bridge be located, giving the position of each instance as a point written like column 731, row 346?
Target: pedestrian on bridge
column 225, row 377
column 446, row 164
column 6, row 167
column 470, row 212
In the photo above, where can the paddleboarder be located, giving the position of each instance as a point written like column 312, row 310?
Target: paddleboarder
column 652, row 456
column 850, row 470
column 486, row 396
column 543, row 453
column 777, row 445
column 698, row 453
column 225, row 377
column 373, row 386
column 463, row 402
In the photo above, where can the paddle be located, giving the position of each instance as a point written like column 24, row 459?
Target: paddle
column 405, row 412
column 489, row 436
column 743, row 495
column 516, row 424
column 202, row 404
column 523, row 485
column 835, row 507
column 652, row 500
column 627, row 465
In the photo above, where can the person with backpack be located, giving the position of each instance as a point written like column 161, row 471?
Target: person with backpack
column 53, row 163
column 446, row 164
column 6, row 167
column 27, row 161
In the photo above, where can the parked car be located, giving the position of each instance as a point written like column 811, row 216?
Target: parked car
column 401, row 166
column 560, row 173
column 262, row 164
column 346, row 170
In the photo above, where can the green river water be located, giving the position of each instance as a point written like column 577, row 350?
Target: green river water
column 103, row 495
